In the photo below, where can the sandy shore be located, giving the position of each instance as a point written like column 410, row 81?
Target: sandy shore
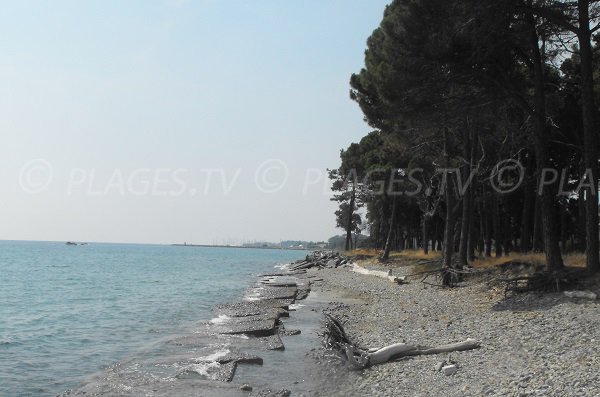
column 532, row 345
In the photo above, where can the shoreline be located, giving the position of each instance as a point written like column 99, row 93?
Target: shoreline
column 252, row 346
column 235, row 246
column 531, row 345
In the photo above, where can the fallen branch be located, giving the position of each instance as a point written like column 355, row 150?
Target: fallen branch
column 335, row 338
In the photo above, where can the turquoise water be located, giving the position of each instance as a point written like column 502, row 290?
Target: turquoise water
column 70, row 311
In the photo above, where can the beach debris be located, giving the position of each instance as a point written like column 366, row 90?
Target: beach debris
column 320, row 259
column 335, row 338
column 246, row 387
column 378, row 273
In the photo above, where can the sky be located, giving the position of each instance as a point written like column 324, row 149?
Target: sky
column 209, row 121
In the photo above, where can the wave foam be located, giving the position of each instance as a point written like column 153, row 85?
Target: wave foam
column 215, row 356
column 220, row 320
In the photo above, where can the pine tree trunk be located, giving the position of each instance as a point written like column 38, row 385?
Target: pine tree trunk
column 553, row 256
column 466, row 201
column 581, row 233
column 488, row 227
column 425, row 226
column 448, row 247
column 507, row 232
column 388, row 241
column 472, row 229
column 350, row 216
column 482, row 228
column 528, row 197
column 590, row 140
column 497, row 227
column 538, row 242
column 564, row 219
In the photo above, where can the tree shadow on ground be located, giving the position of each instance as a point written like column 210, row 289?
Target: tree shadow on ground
column 535, row 301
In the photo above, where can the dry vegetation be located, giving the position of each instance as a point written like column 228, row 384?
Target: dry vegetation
column 571, row 260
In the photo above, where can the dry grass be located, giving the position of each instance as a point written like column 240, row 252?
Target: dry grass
column 406, row 254
column 415, row 254
column 575, row 260
column 571, row 260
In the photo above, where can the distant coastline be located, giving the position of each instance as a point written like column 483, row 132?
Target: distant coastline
column 241, row 246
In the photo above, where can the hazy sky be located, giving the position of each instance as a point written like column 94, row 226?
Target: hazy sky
column 170, row 121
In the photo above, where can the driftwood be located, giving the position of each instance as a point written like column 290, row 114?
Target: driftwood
column 320, row 259
column 378, row 273
column 335, row 338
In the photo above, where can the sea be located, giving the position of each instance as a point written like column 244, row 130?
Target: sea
column 68, row 313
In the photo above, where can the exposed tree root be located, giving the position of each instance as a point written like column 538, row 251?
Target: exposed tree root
column 543, row 281
column 335, row 338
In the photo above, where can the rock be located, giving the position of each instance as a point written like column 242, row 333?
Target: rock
column 273, row 343
column 238, row 358
column 439, row 366
column 449, row 370
column 276, row 308
column 225, row 372
column 247, row 325
column 246, row 387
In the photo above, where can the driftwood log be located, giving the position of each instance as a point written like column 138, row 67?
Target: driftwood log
column 335, row 338
column 378, row 273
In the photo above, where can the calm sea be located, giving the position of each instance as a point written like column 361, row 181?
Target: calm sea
column 70, row 311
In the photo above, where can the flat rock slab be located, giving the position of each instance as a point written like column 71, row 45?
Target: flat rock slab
column 225, row 372
column 242, row 325
column 280, row 281
column 190, row 341
column 272, row 342
column 276, row 292
column 284, row 274
column 253, row 308
column 240, row 358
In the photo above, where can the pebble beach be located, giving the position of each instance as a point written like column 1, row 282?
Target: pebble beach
column 531, row 344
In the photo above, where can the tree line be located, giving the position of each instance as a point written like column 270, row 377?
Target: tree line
column 485, row 131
